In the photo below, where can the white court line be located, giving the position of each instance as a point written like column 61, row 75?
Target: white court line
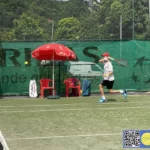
column 63, row 136
column 73, row 109
column 47, row 105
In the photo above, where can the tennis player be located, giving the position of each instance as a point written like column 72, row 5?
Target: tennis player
column 109, row 78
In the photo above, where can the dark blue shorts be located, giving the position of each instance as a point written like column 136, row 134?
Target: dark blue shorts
column 107, row 83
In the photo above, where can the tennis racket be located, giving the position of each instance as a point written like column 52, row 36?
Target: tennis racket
column 121, row 62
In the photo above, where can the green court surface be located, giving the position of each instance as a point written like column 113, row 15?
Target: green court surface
column 77, row 123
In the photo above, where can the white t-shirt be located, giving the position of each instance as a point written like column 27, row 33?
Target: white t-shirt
column 107, row 69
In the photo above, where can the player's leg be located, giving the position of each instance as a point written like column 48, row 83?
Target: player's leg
column 111, row 91
column 101, row 86
column 125, row 93
column 110, row 86
column 101, row 91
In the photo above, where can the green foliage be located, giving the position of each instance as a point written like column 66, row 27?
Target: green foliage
column 89, row 28
column 147, row 35
column 96, row 20
column 68, row 28
column 27, row 28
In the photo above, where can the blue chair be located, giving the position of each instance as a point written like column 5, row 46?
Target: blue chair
column 86, row 87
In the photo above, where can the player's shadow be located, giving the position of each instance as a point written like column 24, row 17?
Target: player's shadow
column 111, row 100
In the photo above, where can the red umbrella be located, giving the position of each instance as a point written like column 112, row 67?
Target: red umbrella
column 53, row 52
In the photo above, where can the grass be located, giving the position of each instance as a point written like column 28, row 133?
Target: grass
column 79, row 123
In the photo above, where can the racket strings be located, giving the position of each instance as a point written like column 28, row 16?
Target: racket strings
column 122, row 62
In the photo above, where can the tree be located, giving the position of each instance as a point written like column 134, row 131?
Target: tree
column 96, row 21
column 109, row 26
column 68, row 28
column 147, row 34
column 27, row 28
column 141, row 18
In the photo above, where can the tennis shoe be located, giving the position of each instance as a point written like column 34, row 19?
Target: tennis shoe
column 102, row 100
column 125, row 93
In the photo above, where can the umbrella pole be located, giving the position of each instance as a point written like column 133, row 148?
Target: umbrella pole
column 54, row 96
column 53, row 92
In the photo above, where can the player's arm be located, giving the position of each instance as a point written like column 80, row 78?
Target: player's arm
column 108, row 74
column 110, row 58
column 103, row 59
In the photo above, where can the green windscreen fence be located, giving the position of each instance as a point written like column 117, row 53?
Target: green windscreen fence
column 15, row 75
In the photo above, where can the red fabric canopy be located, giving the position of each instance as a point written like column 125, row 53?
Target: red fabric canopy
column 53, row 52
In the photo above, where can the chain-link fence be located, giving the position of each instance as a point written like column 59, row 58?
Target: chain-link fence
column 88, row 27
column 15, row 73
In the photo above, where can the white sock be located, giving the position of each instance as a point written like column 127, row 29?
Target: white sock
column 121, row 91
column 103, row 97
